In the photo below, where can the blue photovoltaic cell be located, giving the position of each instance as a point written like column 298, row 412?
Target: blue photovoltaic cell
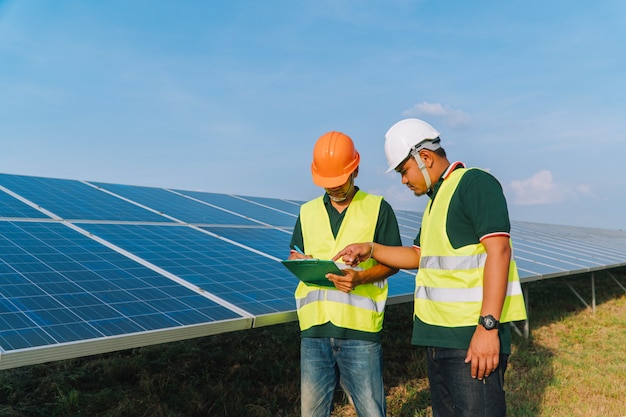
column 402, row 283
column 562, row 258
column 408, row 230
column 271, row 241
column 70, row 199
column 558, row 261
column 251, row 281
column 179, row 207
column 529, row 269
column 288, row 206
column 578, row 250
column 409, row 224
column 246, row 207
column 412, row 219
column 60, row 286
column 12, row 207
column 406, row 240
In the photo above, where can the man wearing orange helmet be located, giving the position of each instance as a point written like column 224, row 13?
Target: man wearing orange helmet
column 340, row 325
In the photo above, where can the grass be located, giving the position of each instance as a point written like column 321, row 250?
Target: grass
column 573, row 365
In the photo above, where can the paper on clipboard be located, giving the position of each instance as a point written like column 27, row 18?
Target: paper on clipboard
column 313, row 271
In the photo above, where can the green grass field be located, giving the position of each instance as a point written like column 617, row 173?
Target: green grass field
column 574, row 364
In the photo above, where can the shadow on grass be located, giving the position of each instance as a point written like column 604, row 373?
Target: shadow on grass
column 253, row 373
column 527, row 377
column 404, row 365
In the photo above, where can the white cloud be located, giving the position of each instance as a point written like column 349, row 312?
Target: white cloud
column 451, row 117
column 540, row 189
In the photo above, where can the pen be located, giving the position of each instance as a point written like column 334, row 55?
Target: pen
column 298, row 249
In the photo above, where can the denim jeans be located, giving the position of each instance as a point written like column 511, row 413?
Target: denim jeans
column 454, row 393
column 356, row 365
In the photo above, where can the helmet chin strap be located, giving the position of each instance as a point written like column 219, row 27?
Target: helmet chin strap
column 345, row 196
column 422, row 168
column 339, row 199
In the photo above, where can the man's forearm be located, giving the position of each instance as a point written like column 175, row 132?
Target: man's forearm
column 401, row 257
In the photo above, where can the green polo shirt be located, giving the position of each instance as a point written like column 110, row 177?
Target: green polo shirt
column 477, row 208
column 386, row 233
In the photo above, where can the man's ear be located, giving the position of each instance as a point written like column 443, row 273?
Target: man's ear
column 426, row 157
column 355, row 173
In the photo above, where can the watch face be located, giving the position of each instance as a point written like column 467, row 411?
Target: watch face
column 489, row 322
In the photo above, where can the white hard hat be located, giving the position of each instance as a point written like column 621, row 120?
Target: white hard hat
column 406, row 137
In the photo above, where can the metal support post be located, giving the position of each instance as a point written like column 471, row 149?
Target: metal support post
column 582, row 300
column 616, row 281
column 526, row 326
column 593, row 293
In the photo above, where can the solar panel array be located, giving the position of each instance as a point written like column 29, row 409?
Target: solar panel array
column 89, row 267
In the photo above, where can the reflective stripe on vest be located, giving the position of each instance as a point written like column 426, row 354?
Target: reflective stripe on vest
column 448, row 284
column 361, row 309
column 461, row 294
column 451, row 263
column 341, row 297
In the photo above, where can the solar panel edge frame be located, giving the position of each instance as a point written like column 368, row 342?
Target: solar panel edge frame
column 271, row 319
column 206, row 203
column 29, row 203
column 108, row 344
column 128, row 200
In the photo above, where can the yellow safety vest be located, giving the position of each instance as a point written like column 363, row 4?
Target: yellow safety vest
column 363, row 308
column 449, row 282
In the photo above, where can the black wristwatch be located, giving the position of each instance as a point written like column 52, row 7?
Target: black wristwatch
column 489, row 322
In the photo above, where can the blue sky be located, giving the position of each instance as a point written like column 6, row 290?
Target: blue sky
column 230, row 96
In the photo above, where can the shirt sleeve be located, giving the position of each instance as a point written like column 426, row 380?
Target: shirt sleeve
column 387, row 231
column 296, row 237
column 484, row 204
column 416, row 241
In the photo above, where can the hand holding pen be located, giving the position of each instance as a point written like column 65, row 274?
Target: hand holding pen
column 297, row 253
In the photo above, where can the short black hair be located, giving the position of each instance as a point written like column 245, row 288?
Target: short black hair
column 440, row 152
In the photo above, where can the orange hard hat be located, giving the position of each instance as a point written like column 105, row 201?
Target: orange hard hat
column 334, row 159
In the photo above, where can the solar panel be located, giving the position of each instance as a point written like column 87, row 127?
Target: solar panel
column 273, row 242
column 251, row 280
column 409, row 224
column 61, row 287
column 263, row 213
column 12, row 207
column 90, row 267
column 69, row 199
column 175, row 206
column 545, row 251
column 288, row 206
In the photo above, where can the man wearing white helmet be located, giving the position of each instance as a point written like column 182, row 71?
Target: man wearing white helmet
column 467, row 285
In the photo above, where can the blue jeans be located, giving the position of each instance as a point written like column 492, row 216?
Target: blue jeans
column 356, row 365
column 453, row 391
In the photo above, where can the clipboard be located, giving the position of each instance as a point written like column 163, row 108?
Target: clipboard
column 313, row 271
